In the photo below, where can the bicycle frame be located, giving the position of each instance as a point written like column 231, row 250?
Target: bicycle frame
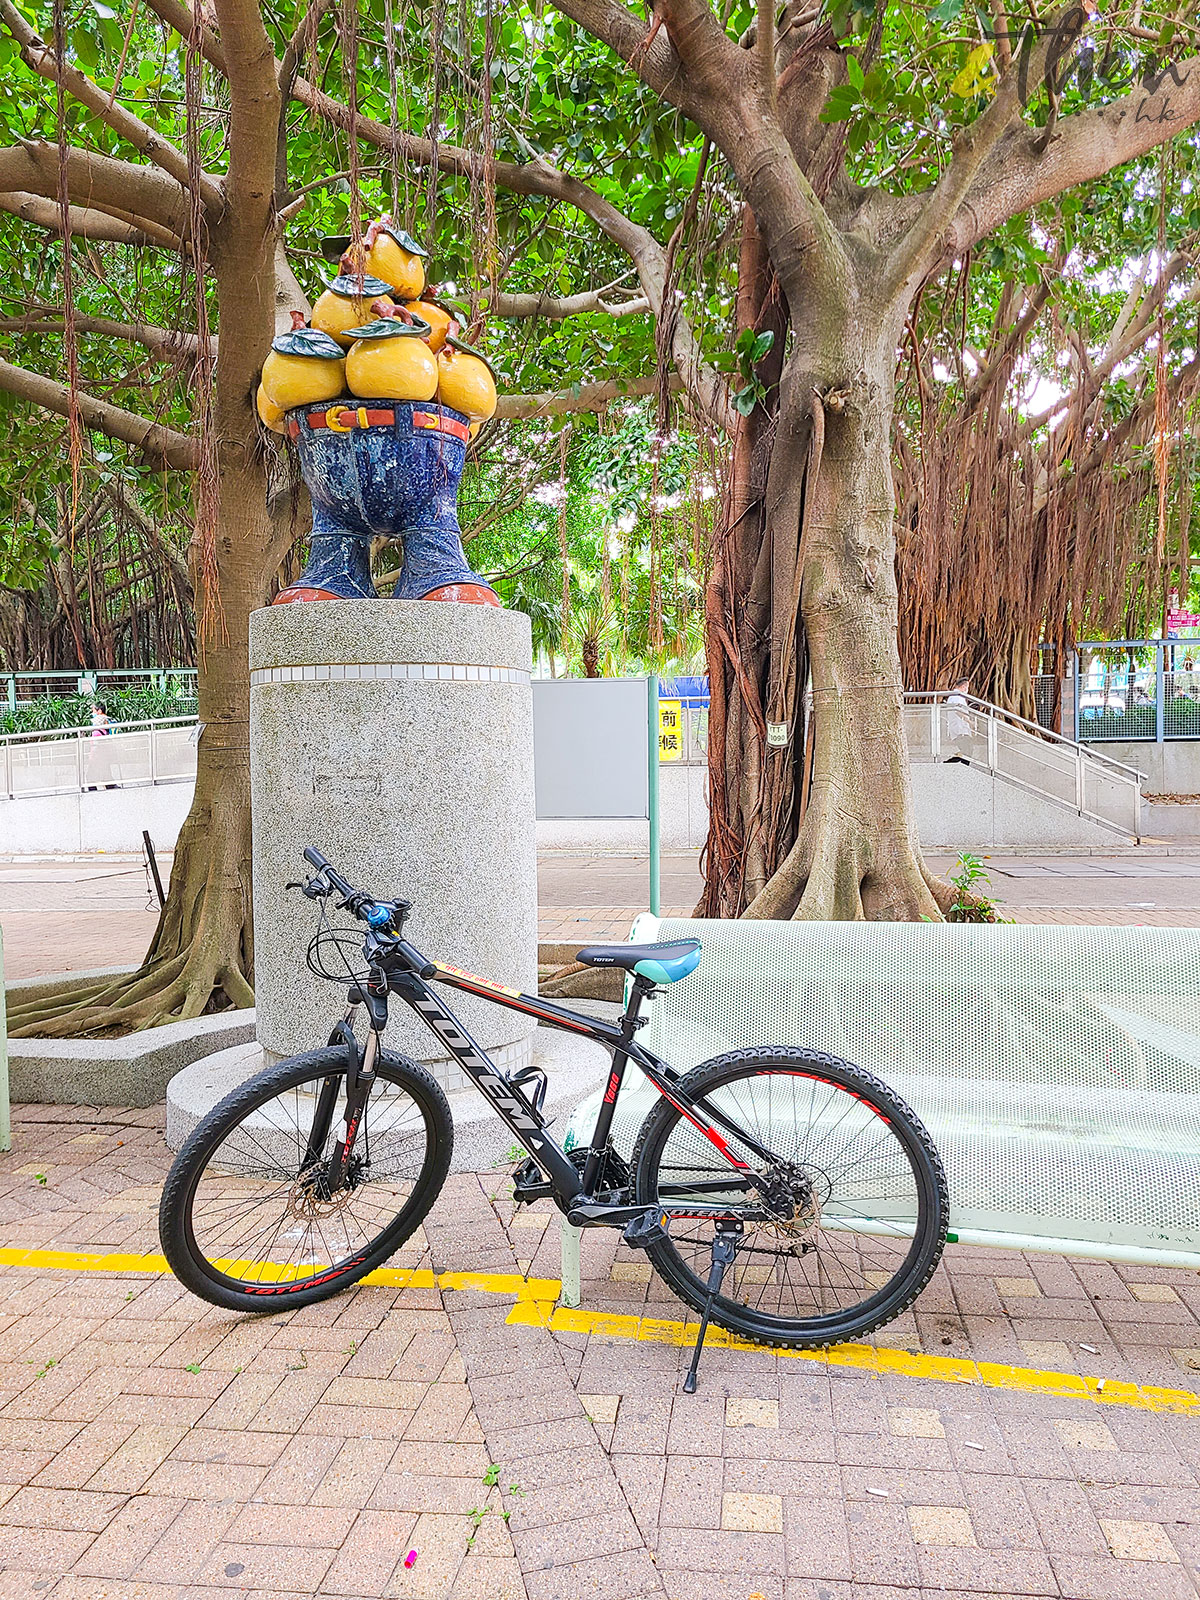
column 571, row 1189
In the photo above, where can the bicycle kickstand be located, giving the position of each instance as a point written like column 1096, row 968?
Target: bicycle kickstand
column 724, row 1248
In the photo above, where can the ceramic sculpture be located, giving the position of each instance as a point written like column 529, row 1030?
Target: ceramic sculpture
column 390, row 468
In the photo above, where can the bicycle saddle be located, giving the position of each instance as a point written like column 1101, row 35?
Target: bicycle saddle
column 661, row 963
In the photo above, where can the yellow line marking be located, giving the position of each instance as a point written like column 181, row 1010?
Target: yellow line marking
column 536, row 1307
column 866, row 1358
column 534, row 1289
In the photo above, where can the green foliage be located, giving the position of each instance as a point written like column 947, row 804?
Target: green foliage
column 50, row 712
column 748, row 350
column 915, row 75
column 970, row 903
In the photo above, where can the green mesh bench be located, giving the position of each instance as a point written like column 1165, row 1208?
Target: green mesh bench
column 1057, row 1068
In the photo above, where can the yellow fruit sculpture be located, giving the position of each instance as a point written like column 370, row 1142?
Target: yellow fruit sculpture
column 269, row 413
column 437, row 316
column 389, row 359
column 346, row 304
column 465, row 379
column 304, row 366
column 396, row 257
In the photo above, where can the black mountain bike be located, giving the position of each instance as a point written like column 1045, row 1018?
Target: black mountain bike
column 792, row 1198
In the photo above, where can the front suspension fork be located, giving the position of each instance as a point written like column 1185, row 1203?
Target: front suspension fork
column 360, row 1078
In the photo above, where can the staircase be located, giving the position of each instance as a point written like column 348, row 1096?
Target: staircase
column 1074, row 777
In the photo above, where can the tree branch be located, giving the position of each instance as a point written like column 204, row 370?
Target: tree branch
column 38, row 56
column 162, row 446
column 554, row 308
column 85, row 223
column 166, row 343
column 1086, row 145
column 538, row 177
column 142, row 196
column 718, row 86
column 920, row 249
column 584, row 397
column 244, row 243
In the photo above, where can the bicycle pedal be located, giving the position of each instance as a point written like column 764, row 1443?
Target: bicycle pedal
column 639, row 1233
column 530, row 1183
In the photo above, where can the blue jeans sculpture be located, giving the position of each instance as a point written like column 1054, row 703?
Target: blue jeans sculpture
column 389, row 469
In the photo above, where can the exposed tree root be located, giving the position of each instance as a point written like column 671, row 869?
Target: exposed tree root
column 577, row 982
column 840, row 871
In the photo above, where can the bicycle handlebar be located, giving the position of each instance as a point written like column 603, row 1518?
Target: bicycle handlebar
column 362, row 905
column 316, row 859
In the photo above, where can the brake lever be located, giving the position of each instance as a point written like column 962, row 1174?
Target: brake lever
column 313, row 889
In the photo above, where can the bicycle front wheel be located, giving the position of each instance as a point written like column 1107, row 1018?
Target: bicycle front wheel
column 839, row 1232
column 247, row 1218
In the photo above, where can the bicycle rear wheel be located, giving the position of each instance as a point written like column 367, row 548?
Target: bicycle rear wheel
column 840, row 1233
column 246, row 1219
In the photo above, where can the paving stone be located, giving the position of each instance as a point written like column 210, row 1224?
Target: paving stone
column 999, row 1572
column 689, row 1585
column 630, row 1272
column 744, row 1411
column 1084, row 1435
column 1089, row 1578
column 129, row 1537
column 818, row 1537
column 941, row 1525
column 488, row 1578
column 1138, row 1541
column 752, row 1513
column 249, row 1566
column 290, row 1450
column 915, row 1422
column 564, row 1544
column 377, row 1544
column 722, row 1550
column 1017, row 1288
column 74, row 1510
column 625, row 1576
column 691, row 1493
column 601, row 1407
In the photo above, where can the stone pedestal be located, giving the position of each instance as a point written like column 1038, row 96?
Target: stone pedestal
column 396, row 737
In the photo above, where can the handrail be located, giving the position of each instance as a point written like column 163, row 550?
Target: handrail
column 914, row 696
column 88, row 730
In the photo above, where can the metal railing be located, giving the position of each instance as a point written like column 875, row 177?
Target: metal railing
column 1137, row 689
column 18, row 687
column 72, row 760
column 1023, row 753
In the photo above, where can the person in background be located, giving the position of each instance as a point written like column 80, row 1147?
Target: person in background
column 958, row 721
column 99, row 765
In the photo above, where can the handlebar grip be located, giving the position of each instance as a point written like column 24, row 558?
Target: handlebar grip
column 316, row 859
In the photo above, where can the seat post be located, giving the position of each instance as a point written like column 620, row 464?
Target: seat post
column 631, row 1018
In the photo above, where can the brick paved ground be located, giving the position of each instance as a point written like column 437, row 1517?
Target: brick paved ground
column 56, row 916
column 152, row 1448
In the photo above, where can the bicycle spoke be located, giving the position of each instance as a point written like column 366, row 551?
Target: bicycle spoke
column 847, row 1229
column 259, row 1213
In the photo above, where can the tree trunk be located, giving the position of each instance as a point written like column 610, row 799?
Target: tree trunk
column 829, row 505
column 202, row 956
column 750, row 829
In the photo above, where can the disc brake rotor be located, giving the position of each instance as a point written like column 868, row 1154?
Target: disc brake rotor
column 310, row 1199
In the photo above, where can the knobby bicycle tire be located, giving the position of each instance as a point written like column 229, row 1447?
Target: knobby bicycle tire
column 176, row 1222
column 880, row 1301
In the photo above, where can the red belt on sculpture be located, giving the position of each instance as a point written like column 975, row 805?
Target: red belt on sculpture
column 344, row 419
